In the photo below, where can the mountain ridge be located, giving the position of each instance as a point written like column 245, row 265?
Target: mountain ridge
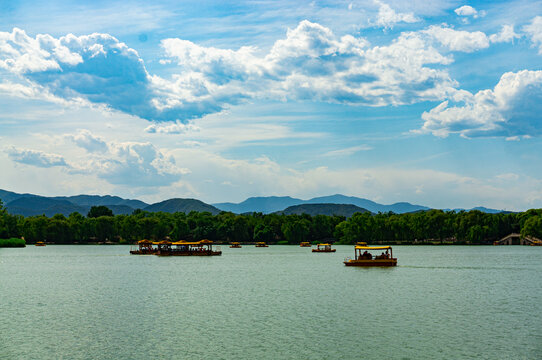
column 29, row 204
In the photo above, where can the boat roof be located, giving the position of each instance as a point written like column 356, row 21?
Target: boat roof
column 183, row 242
column 324, row 244
column 373, row 247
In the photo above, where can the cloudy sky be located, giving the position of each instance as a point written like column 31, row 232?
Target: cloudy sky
column 433, row 103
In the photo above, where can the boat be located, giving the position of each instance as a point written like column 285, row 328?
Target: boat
column 235, row 245
column 184, row 248
column 144, row 248
column 305, row 244
column 261, row 244
column 364, row 257
column 40, row 243
column 323, row 248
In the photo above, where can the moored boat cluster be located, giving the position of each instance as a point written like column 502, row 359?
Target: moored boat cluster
column 205, row 248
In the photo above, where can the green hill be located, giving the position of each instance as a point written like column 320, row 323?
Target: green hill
column 182, row 205
column 346, row 210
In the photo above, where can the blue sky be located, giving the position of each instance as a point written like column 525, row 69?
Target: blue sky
column 437, row 104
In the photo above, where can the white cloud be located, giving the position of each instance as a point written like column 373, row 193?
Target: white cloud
column 176, row 128
column 89, row 142
column 348, row 151
column 458, row 40
column 466, row 10
column 511, row 109
column 534, row 30
column 310, row 63
column 387, row 17
column 35, row 157
column 506, row 34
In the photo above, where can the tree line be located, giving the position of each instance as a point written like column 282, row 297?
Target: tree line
column 432, row 226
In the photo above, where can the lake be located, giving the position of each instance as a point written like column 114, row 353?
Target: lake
column 281, row 302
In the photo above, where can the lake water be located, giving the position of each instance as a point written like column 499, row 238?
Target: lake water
column 281, row 302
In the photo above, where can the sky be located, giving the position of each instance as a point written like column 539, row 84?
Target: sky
column 435, row 103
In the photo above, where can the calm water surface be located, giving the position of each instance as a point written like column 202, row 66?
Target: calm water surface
column 281, row 302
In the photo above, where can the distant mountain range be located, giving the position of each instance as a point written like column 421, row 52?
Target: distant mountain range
column 275, row 203
column 29, row 204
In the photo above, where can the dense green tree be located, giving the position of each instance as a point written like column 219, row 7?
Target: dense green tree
column 97, row 211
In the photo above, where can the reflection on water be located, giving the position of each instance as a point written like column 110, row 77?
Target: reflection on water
column 281, row 302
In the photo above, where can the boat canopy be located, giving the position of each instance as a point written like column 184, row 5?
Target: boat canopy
column 144, row 241
column 373, row 247
column 202, row 242
column 163, row 242
column 324, row 244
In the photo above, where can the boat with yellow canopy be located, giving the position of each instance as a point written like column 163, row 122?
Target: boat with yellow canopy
column 261, row 244
column 40, row 243
column 364, row 257
column 185, row 248
column 144, row 248
column 235, row 245
column 305, row 244
column 323, row 248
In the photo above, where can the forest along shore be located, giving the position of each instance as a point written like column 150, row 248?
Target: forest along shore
column 423, row 227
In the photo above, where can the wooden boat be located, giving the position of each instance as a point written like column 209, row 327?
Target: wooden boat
column 144, row 248
column 323, row 248
column 184, row 248
column 235, row 245
column 363, row 257
column 305, row 244
column 261, row 244
column 40, row 243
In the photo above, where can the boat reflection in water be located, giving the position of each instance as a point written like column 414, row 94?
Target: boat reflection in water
column 364, row 257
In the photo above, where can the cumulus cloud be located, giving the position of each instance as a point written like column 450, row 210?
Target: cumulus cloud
column 506, row 34
column 534, row 31
column 176, row 128
column 138, row 164
column 511, row 109
column 97, row 68
column 310, row 63
column 466, row 10
column 89, row 142
column 36, row 158
column 387, row 17
column 134, row 164
column 459, row 40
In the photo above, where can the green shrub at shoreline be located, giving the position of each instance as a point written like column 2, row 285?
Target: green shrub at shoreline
column 13, row 242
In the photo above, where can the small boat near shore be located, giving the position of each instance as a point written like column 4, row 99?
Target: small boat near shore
column 364, row 257
column 305, row 244
column 40, row 243
column 323, row 248
column 261, row 244
column 235, row 245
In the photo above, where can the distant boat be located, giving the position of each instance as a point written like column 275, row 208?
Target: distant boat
column 184, row 248
column 235, row 245
column 144, row 248
column 323, row 248
column 261, row 244
column 367, row 259
column 40, row 243
column 305, row 244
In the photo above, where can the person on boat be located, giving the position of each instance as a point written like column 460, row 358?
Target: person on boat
column 387, row 255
